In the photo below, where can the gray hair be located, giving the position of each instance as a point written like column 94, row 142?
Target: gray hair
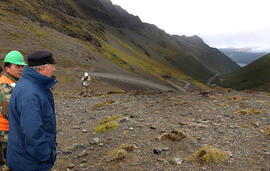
column 37, row 68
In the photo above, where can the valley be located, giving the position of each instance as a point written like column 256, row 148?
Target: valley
column 156, row 99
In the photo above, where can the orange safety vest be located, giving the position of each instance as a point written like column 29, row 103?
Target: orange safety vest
column 3, row 121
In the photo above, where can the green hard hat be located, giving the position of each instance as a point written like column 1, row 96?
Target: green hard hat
column 15, row 57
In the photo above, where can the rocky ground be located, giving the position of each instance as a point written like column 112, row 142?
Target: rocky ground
column 213, row 120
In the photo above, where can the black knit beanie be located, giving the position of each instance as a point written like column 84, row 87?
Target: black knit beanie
column 38, row 58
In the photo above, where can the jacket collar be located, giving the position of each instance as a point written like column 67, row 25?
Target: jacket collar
column 42, row 80
column 10, row 77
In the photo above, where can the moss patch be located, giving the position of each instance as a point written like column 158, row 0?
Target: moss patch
column 267, row 131
column 175, row 135
column 116, row 154
column 127, row 147
column 236, row 98
column 119, row 153
column 208, row 155
column 109, row 119
column 107, row 127
column 102, row 104
column 248, row 111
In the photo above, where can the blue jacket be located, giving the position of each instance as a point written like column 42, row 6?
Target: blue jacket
column 32, row 126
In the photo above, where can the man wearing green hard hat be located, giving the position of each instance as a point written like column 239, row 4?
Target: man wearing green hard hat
column 13, row 67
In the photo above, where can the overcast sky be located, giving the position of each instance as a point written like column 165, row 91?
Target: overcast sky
column 221, row 23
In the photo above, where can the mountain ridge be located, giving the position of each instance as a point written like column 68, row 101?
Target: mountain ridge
column 140, row 48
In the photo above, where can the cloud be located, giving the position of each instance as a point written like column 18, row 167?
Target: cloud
column 258, row 40
column 220, row 23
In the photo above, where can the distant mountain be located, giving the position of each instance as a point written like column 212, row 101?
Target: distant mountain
column 254, row 76
column 242, row 56
column 210, row 57
column 104, row 37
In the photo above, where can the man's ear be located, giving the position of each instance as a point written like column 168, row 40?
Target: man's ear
column 42, row 67
column 6, row 68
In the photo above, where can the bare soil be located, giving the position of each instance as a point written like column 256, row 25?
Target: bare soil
column 146, row 115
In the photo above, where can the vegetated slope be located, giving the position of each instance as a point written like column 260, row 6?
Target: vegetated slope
column 252, row 76
column 210, row 57
column 109, row 31
column 243, row 56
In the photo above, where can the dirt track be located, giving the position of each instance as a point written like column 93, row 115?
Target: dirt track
column 132, row 80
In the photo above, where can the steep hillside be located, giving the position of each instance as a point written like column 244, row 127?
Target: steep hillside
column 97, row 35
column 210, row 57
column 252, row 76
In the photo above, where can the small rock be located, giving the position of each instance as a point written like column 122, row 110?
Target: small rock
column 181, row 123
column 148, row 143
column 75, row 146
column 76, row 127
column 161, row 160
column 162, row 131
column 229, row 153
column 172, row 126
column 233, row 127
column 131, row 128
column 71, row 166
column 84, row 131
column 83, row 153
column 83, row 165
column 84, row 161
column 157, row 151
column 67, row 151
column 101, row 144
column 82, row 122
column 256, row 124
column 164, row 148
column 153, row 127
column 124, row 119
column 91, row 148
column 94, row 141
column 141, row 120
column 177, row 161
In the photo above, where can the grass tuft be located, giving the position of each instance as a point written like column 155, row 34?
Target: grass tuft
column 175, row 135
column 109, row 119
column 207, row 155
column 119, row 153
column 248, row 111
column 107, row 127
column 106, row 103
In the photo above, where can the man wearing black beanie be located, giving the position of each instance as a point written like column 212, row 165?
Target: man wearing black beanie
column 32, row 125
